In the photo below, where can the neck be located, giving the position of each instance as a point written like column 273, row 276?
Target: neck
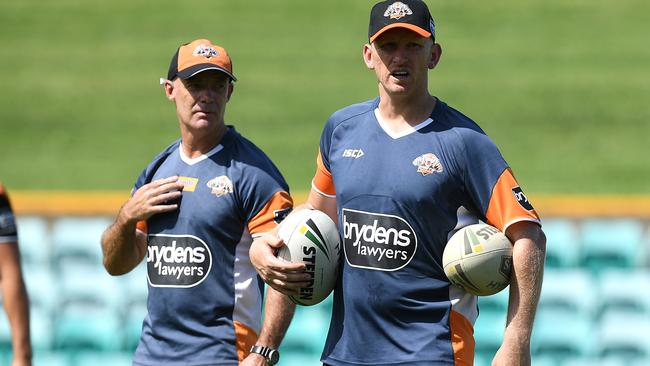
column 196, row 144
column 411, row 110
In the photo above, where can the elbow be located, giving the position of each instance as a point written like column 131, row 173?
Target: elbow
column 113, row 269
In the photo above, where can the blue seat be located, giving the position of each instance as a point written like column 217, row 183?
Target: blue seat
column 89, row 304
column 625, row 291
column 103, row 359
column 87, row 327
column 563, row 335
column 42, row 287
column 611, row 243
column 494, row 303
column 90, row 284
column 307, row 332
column 488, row 332
column 76, row 241
column 132, row 325
column 624, row 336
column 134, row 284
column 593, row 361
column 5, row 333
column 44, row 358
column 483, row 358
column 545, row 361
column 41, row 327
column 290, row 358
column 569, row 290
column 34, row 241
column 562, row 243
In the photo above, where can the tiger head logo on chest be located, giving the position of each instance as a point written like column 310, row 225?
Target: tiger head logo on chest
column 427, row 164
column 220, row 186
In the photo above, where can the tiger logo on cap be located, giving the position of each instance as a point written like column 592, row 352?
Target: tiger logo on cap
column 205, row 51
column 427, row 164
column 398, row 10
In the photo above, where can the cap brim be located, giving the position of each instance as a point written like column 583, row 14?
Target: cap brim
column 414, row 28
column 191, row 71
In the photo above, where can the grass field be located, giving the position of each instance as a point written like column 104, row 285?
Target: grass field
column 562, row 86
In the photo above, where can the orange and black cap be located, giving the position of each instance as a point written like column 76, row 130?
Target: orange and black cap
column 197, row 56
column 410, row 14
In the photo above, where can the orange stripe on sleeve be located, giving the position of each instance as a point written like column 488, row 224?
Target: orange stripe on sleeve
column 323, row 181
column 264, row 221
column 245, row 339
column 508, row 203
column 462, row 339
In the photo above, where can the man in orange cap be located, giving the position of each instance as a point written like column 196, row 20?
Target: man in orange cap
column 193, row 214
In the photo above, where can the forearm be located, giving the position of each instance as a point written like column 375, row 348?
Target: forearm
column 525, row 287
column 16, row 306
column 119, row 246
column 278, row 312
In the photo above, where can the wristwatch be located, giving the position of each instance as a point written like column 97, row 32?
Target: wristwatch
column 272, row 355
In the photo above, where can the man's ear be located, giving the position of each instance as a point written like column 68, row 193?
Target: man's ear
column 168, row 85
column 436, row 54
column 367, row 56
column 231, row 88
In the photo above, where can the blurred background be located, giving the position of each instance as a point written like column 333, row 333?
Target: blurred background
column 562, row 87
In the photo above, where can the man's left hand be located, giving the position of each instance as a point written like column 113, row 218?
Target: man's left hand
column 254, row 359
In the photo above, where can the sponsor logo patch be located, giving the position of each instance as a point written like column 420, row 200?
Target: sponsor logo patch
column 522, row 199
column 427, row 164
column 397, row 10
column 220, row 186
column 506, row 266
column 189, row 183
column 281, row 214
column 205, row 51
column 353, row 153
column 377, row 241
column 177, row 260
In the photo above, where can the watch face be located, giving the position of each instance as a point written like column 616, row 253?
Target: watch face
column 274, row 357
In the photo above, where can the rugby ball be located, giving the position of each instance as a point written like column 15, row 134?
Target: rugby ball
column 478, row 258
column 310, row 236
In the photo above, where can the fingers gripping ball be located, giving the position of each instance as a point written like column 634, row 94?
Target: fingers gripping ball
column 310, row 236
column 478, row 258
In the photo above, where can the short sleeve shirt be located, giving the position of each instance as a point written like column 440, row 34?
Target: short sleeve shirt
column 399, row 199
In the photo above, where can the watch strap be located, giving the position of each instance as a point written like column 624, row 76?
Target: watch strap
column 271, row 354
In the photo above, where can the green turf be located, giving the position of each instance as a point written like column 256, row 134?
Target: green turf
column 562, row 86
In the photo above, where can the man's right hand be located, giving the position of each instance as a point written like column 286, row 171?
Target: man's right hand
column 285, row 277
column 152, row 198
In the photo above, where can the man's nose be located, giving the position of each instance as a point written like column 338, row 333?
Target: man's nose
column 206, row 96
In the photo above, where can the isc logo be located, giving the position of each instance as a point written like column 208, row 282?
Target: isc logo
column 353, row 153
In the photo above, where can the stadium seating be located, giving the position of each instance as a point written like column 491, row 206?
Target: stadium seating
column 612, row 243
column 52, row 359
column 570, row 290
column 5, row 334
column 34, row 241
column 594, row 307
column 89, row 305
column 625, row 291
column 563, row 335
column 488, row 332
column 624, row 336
column 308, row 330
column 494, row 303
column 77, row 241
column 103, row 359
column 562, row 243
